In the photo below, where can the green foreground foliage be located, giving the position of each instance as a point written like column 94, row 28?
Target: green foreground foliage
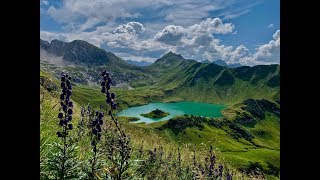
column 176, row 149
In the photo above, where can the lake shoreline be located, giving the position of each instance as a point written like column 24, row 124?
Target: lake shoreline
column 174, row 109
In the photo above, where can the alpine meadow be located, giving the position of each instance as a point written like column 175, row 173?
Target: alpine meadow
column 159, row 90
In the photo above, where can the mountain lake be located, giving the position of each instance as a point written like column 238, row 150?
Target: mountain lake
column 175, row 109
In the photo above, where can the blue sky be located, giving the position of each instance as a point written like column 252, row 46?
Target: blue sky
column 236, row 31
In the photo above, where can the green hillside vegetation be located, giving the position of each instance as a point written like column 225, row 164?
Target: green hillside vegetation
column 156, row 114
column 195, row 81
column 239, row 143
column 177, row 78
column 247, row 137
column 142, row 136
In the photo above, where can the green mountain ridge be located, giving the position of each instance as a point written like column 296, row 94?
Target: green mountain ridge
column 174, row 75
column 192, row 80
column 248, row 135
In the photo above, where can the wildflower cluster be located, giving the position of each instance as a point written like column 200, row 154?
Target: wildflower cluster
column 210, row 162
column 118, row 144
column 65, row 116
column 209, row 170
column 81, row 124
column 62, row 162
column 153, row 165
column 96, row 129
column 105, row 84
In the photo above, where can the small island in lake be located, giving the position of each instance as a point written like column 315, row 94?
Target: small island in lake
column 156, row 114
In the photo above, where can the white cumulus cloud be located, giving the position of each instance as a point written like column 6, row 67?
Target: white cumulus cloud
column 197, row 41
column 267, row 53
column 212, row 26
column 170, row 34
column 130, row 28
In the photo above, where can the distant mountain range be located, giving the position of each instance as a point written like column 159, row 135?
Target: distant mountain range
column 222, row 63
column 206, row 61
column 171, row 73
column 235, row 65
column 138, row 63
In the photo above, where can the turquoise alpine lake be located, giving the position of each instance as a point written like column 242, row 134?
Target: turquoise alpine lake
column 175, row 109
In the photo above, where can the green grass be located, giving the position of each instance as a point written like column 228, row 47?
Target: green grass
column 264, row 149
column 229, row 95
column 263, row 156
column 42, row 74
column 84, row 95
column 237, row 153
column 211, row 135
column 267, row 132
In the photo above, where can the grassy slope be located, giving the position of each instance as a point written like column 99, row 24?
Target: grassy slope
column 235, row 93
column 200, row 93
column 267, row 135
column 182, row 79
column 238, row 153
column 173, row 78
column 126, row 98
column 138, row 132
column 267, row 132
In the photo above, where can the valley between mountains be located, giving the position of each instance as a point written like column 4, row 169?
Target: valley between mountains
column 246, row 136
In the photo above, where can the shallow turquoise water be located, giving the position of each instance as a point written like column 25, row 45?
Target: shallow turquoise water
column 179, row 108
